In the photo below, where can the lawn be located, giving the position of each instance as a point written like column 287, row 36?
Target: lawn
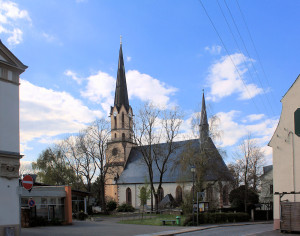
column 155, row 220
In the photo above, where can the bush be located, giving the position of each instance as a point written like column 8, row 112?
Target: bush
column 111, row 205
column 217, row 217
column 125, row 208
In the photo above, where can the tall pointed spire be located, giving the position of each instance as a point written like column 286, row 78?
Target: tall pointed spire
column 121, row 95
column 203, row 122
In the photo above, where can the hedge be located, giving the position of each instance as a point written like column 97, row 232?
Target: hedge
column 217, row 217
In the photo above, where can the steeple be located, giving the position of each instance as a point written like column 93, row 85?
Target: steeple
column 121, row 95
column 203, row 122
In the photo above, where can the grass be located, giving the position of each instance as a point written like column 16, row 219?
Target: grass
column 155, row 220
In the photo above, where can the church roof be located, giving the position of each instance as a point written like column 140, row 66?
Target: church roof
column 136, row 170
column 121, row 95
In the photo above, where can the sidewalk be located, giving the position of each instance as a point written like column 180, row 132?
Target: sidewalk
column 204, row 227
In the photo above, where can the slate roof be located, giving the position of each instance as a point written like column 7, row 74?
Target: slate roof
column 121, row 95
column 136, row 171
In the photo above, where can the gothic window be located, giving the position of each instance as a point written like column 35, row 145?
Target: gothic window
column 123, row 120
column 115, row 135
column 128, row 196
column 123, row 136
column 160, row 194
column 179, row 194
column 209, row 193
column 115, row 122
column 129, row 122
column 225, row 195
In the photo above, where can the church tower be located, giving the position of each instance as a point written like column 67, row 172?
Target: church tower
column 204, row 127
column 121, row 142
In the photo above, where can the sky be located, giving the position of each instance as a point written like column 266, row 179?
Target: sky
column 243, row 54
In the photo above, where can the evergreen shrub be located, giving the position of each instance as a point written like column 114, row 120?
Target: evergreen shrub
column 217, row 217
column 125, row 208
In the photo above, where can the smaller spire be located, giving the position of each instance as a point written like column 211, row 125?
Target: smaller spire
column 204, row 127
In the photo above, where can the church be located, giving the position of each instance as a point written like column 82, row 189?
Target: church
column 128, row 172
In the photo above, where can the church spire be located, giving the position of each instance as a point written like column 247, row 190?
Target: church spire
column 121, row 95
column 203, row 122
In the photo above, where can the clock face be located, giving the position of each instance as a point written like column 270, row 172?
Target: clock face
column 115, row 113
column 115, row 151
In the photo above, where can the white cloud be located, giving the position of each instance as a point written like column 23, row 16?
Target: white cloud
column 11, row 18
column 224, row 80
column 74, row 76
column 16, row 37
column 128, row 58
column 215, row 49
column 101, row 87
column 147, row 88
column 45, row 113
column 254, row 117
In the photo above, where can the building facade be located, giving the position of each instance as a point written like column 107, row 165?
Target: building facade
column 10, row 69
column 285, row 143
column 128, row 173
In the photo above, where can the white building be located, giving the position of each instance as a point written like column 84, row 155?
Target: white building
column 286, row 155
column 266, row 193
column 10, row 70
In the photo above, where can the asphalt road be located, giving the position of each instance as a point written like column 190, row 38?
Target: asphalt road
column 233, row 230
column 110, row 227
column 106, row 227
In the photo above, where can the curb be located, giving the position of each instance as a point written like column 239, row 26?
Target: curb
column 182, row 231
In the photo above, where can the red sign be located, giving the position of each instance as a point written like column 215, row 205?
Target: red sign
column 27, row 182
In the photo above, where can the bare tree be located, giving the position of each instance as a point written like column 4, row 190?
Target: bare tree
column 248, row 166
column 98, row 136
column 152, row 127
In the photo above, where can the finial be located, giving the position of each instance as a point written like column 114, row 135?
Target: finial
column 121, row 39
column 203, row 91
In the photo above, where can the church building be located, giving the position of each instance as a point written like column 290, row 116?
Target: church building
column 128, row 172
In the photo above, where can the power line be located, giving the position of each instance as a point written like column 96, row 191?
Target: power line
column 248, row 54
column 239, row 49
column 238, row 72
column 251, row 39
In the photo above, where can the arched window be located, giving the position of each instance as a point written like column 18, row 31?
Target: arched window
column 115, row 135
column 160, row 193
column 225, row 195
column 128, row 196
column 115, row 122
column 179, row 194
column 209, row 193
column 129, row 123
column 123, row 136
column 123, row 120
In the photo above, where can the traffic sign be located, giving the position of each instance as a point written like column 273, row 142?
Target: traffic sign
column 27, row 182
column 31, row 202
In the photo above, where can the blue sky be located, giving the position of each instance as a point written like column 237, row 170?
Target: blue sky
column 171, row 52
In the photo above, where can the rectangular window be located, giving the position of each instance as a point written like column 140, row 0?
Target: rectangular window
column 271, row 188
column 44, row 202
column 10, row 75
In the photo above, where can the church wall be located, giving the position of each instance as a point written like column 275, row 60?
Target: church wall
column 169, row 188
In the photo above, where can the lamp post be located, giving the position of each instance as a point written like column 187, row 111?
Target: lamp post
column 193, row 170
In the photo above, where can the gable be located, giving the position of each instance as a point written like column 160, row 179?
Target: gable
column 8, row 59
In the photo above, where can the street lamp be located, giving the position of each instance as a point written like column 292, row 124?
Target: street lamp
column 193, row 170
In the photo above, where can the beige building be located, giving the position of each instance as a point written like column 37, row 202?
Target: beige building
column 10, row 70
column 286, row 153
column 127, row 171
